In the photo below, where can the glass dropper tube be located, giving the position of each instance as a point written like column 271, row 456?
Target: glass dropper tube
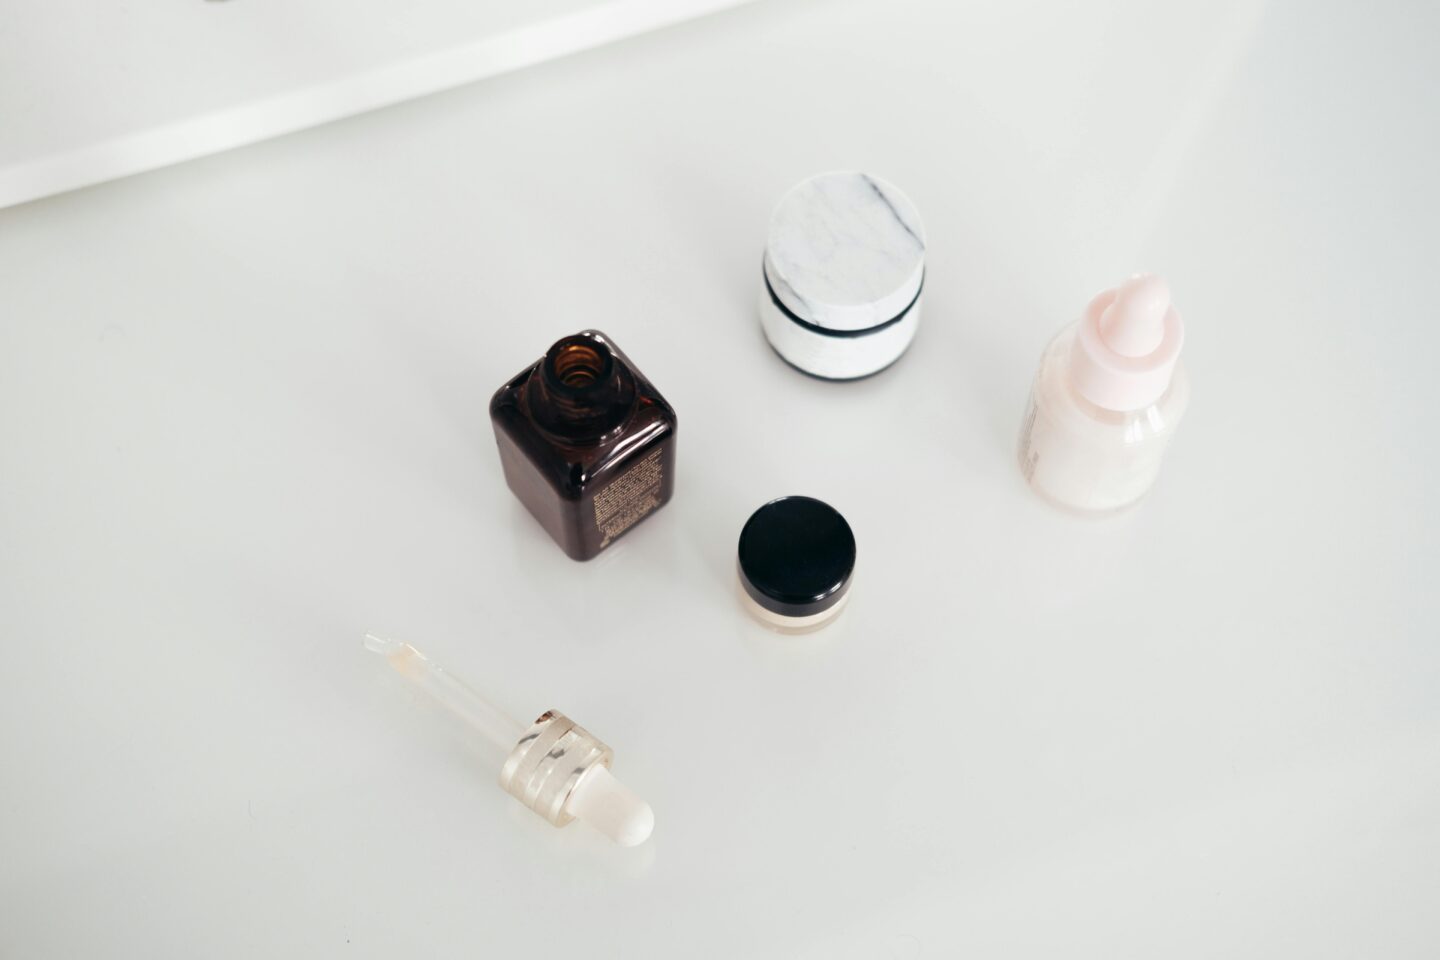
column 449, row 692
column 555, row 767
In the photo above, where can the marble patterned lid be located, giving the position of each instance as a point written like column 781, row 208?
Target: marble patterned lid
column 846, row 251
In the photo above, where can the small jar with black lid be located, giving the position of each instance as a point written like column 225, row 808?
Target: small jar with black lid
column 796, row 559
column 842, row 277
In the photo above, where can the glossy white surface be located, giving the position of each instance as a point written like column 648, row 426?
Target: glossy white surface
column 94, row 91
column 243, row 420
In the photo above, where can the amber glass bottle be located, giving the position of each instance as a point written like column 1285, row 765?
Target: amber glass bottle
column 587, row 443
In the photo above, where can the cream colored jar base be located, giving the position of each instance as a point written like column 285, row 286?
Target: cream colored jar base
column 791, row 625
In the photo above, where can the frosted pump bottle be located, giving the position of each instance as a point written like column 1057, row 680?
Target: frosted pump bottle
column 1107, row 399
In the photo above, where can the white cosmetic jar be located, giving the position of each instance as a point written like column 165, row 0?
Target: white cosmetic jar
column 842, row 277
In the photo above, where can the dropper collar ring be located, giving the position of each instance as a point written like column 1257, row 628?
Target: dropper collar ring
column 549, row 762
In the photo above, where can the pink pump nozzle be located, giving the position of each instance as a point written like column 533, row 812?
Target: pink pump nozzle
column 1134, row 323
column 1127, row 345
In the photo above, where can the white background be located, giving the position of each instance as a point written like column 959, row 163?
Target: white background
column 243, row 420
column 94, row 91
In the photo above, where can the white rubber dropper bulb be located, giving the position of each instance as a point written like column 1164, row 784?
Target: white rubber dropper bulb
column 612, row 808
column 599, row 799
column 1134, row 324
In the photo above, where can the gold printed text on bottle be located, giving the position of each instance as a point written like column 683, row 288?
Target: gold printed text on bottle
column 629, row 497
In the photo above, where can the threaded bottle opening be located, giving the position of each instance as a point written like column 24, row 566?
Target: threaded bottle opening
column 577, row 364
column 582, row 389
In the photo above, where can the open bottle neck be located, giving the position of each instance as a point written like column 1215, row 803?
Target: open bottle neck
column 581, row 391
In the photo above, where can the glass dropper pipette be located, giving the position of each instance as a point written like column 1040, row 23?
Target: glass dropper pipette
column 555, row 767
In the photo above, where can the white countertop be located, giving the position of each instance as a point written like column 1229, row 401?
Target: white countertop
column 243, row 420
column 94, row 91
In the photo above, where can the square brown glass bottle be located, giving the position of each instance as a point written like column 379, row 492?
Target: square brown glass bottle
column 587, row 443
